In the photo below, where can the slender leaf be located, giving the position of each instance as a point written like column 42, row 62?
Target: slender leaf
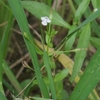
column 69, row 43
column 11, row 77
column 37, row 98
column 8, row 86
column 81, row 9
column 48, row 68
column 96, row 28
column 41, row 10
column 4, row 45
column 80, row 55
column 4, row 16
column 22, row 21
column 87, row 13
column 2, row 96
column 61, row 75
column 31, row 41
column 65, row 95
column 88, row 20
column 89, row 79
column 96, row 3
column 95, row 41
column 78, row 15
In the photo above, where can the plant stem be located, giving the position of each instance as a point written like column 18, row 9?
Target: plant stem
column 48, row 68
column 72, row 6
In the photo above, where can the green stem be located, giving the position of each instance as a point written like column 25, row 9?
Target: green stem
column 56, row 5
column 63, row 8
column 49, row 2
column 48, row 68
column 49, row 33
column 72, row 6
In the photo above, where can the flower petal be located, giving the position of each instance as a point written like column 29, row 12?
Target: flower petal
column 45, row 20
column 48, row 20
column 44, row 23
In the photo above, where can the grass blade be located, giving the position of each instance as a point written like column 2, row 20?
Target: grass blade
column 11, row 77
column 8, row 85
column 22, row 21
column 37, row 98
column 4, row 13
column 88, row 20
column 4, row 45
column 95, row 3
column 96, row 28
column 91, row 76
column 87, row 13
column 95, row 41
column 69, row 43
column 2, row 96
column 48, row 68
column 80, row 55
column 84, row 4
column 78, row 15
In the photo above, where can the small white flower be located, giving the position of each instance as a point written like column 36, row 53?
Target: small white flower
column 45, row 20
column 95, row 9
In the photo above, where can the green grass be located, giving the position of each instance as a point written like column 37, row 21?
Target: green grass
column 81, row 29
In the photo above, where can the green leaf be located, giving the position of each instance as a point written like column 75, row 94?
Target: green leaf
column 59, row 89
column 80, row 55
column 81, row 9
column 24, row 85
column 48, row 39
column 59, row 86
column 37, row 98
column 88, row 20
column 34, row 44
column 61, row 75
column 2, row 96
column 69, row 43
column 95, row 41
column 47, row 61
column 20, row 16
column 10, row 75
column 96, row 28
column 96, row 3
column 4, row 44
column 89, row 79
column 65, row 95
column 40, row 10
column 53, row 32
column 9, row 86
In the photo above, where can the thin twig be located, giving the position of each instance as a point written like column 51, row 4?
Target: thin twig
column 19, row 60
